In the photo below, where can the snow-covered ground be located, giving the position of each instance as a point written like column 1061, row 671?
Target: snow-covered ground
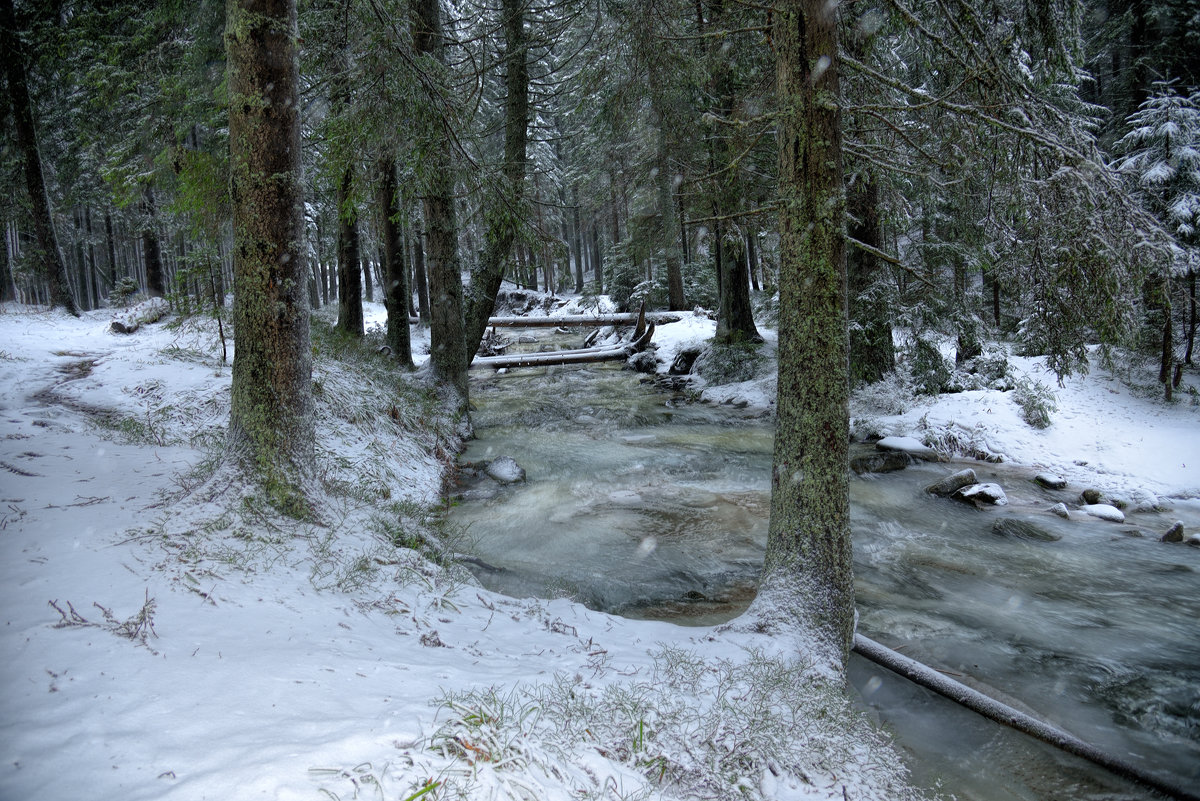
column 165, row 636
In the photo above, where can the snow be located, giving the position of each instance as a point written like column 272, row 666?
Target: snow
column 909, row 445
column 166, row 636
column 290, row 660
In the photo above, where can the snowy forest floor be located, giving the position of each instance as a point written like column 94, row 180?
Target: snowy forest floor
column 166, row 636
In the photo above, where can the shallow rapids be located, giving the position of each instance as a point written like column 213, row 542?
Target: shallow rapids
column 640, row 503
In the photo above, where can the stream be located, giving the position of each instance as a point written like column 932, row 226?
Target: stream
column 644, row 505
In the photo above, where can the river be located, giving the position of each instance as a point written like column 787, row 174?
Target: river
column 643, row 504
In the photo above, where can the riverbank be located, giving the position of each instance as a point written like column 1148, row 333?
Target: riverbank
column 168, row 636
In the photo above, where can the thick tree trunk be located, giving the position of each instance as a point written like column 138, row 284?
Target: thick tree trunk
column 49, row 256
column 271, row 414
column 350, row 311
column 397, row 296
column 807, row 575
column 448, row 353
column 503, row 215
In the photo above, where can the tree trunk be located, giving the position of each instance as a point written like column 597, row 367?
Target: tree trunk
column 7, row 287
column 1168, row 342
column 271, row 414
column 111, row 242
column 420, row 277
column 666, row 203
column 1191, row 337
column 503, row 214
column 807, row 575
column 597, row 259
column 752, row 258
column 368, row 283
column 156, row 285
column 397, row 296
column 447, row 352
column 350, row 312
column 49, row 256
column 872, row 353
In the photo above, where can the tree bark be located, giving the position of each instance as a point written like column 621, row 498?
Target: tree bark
column 503, row 216
column 271, row 414
column 1191, row 337
column 420, row 277
column 156, row 285
column 447, row 353
column 49, row 255
column 872, row 353
column 807, row 575
column 350, row 310
column 397, row 296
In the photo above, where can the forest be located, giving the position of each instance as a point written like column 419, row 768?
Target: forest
column 865, row 204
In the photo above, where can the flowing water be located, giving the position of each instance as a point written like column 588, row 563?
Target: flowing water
column 642, row 504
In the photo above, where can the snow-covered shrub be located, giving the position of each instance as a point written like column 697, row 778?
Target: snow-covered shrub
column 930, row 371
column 890, row 396
column 1036, row 401
column 729, row 364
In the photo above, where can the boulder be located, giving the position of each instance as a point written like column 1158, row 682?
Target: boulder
column 913, row 447
column 1061, row 510
column 1104, row 511
column 1143, row 500
column 505, row 470
column 948, row 485
column 1022, row 529
column 983, row 495
column 643, row 362
column 1091, row 497
column 883, row 462
column 1174, row 533
column 1050, row 481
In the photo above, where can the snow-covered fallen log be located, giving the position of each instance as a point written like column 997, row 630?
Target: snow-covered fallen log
column 992, row 709
column 130, row 320
column 580, row 320
column 603, row 353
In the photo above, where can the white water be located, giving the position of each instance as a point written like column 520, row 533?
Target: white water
column 641, row 504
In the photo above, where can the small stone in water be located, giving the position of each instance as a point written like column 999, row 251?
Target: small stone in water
column 505, row 470
column 1174, row 533
column 1050, row 481
column 984, row 493
column 1060, row 509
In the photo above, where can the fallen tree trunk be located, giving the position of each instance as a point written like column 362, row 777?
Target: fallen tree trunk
column 1002, row 713
column 604, row 353
column 577, row 320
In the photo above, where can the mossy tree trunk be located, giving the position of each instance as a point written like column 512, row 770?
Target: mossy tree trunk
column 271, row 416
column 49, row 256
column 807, row 576
column 447, row 348
column 397, row 294
column 503, row 216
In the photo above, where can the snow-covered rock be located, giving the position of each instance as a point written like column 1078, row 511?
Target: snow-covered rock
column 1104, row 511
column 984, row 494
column 1061, row 510
column 505, row 470
column 910, row 445
column 1050, row 480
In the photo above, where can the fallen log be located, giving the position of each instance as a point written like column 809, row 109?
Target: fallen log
column 604, row 353
column 579, row 320
column 999, row 712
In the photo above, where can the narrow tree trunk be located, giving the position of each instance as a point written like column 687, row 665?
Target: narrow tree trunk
column 1191, row 337
column 350, row 313
column 872, row 353
column 597, row 259
column 156, row 286
column 7, row 286
column 111, row 242
column 368, row 280
column 49, row 256
column 666, row 204
column 577, row 240
column 421, row 277
column 752, row 258
column 503, row 211
column 1168, row 342
column 396, row 293
column 448, row 353
column 807, row 575
column 271, row 413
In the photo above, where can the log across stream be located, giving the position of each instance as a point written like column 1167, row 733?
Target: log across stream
column 643, row 504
